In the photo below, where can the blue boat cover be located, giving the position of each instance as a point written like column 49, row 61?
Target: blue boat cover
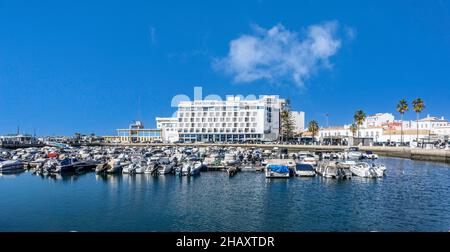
column 304, row 167
column 278, row 168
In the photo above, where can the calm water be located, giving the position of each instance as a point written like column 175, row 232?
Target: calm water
column 414, row 196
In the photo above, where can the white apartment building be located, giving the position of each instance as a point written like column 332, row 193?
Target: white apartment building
column 169, row 128
column 232, row 120
column 298, row 117
column 378, row 120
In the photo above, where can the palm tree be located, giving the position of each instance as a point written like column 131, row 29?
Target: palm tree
column 353, row 129
column 313, row 127
column 418, row 106
column 402, row 107
column 359, row 117
column 287, row 122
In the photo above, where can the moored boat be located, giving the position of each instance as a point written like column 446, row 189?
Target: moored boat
column 10, row 165
column 366, row 170
column 304, row 170
column 277, row 171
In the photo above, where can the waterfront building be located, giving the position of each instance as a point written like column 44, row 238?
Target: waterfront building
column 19, row 140
column 234, row 119
column 136, row 133
column 169, row 129
column 383, row 128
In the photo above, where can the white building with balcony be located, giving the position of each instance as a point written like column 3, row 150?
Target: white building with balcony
column 234, row 119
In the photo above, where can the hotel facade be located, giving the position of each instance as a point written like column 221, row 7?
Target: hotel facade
column 232, row 120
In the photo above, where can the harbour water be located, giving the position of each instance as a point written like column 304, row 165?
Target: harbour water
column 413, row 196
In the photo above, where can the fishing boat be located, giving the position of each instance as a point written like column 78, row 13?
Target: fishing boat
column 366, row 170
column 277, row 171
column 304, row 170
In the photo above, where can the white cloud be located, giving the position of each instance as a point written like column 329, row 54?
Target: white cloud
column 277, row 54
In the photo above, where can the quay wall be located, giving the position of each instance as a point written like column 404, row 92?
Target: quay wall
column 439, row 155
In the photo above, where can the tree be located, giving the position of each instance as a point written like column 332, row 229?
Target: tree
column 402, row 107
column 287, row 123
column 418, row 106
column 359, row 117
column 313, row 127
column 353, row 129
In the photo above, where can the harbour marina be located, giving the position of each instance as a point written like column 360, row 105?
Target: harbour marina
column 407, row 198
column 186, row 161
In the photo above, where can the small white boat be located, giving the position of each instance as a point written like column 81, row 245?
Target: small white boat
column 129, row 169
column 304, row 170
column 230, row 159
column 353, row 153
column 151, row 168
column 366, row 170
column 115, row 166
column 277, row 171
column 140, row 168
column 191, row 168
column 334, row 170
column 101, row 167
column 164, row 169
column 309, row 159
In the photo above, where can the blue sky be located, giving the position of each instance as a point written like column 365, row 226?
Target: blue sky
column 93, row 66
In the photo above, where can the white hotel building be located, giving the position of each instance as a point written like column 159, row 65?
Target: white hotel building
column 235, row 119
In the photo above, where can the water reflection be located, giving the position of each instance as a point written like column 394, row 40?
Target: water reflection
column 409, row 198
column 12, row 173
